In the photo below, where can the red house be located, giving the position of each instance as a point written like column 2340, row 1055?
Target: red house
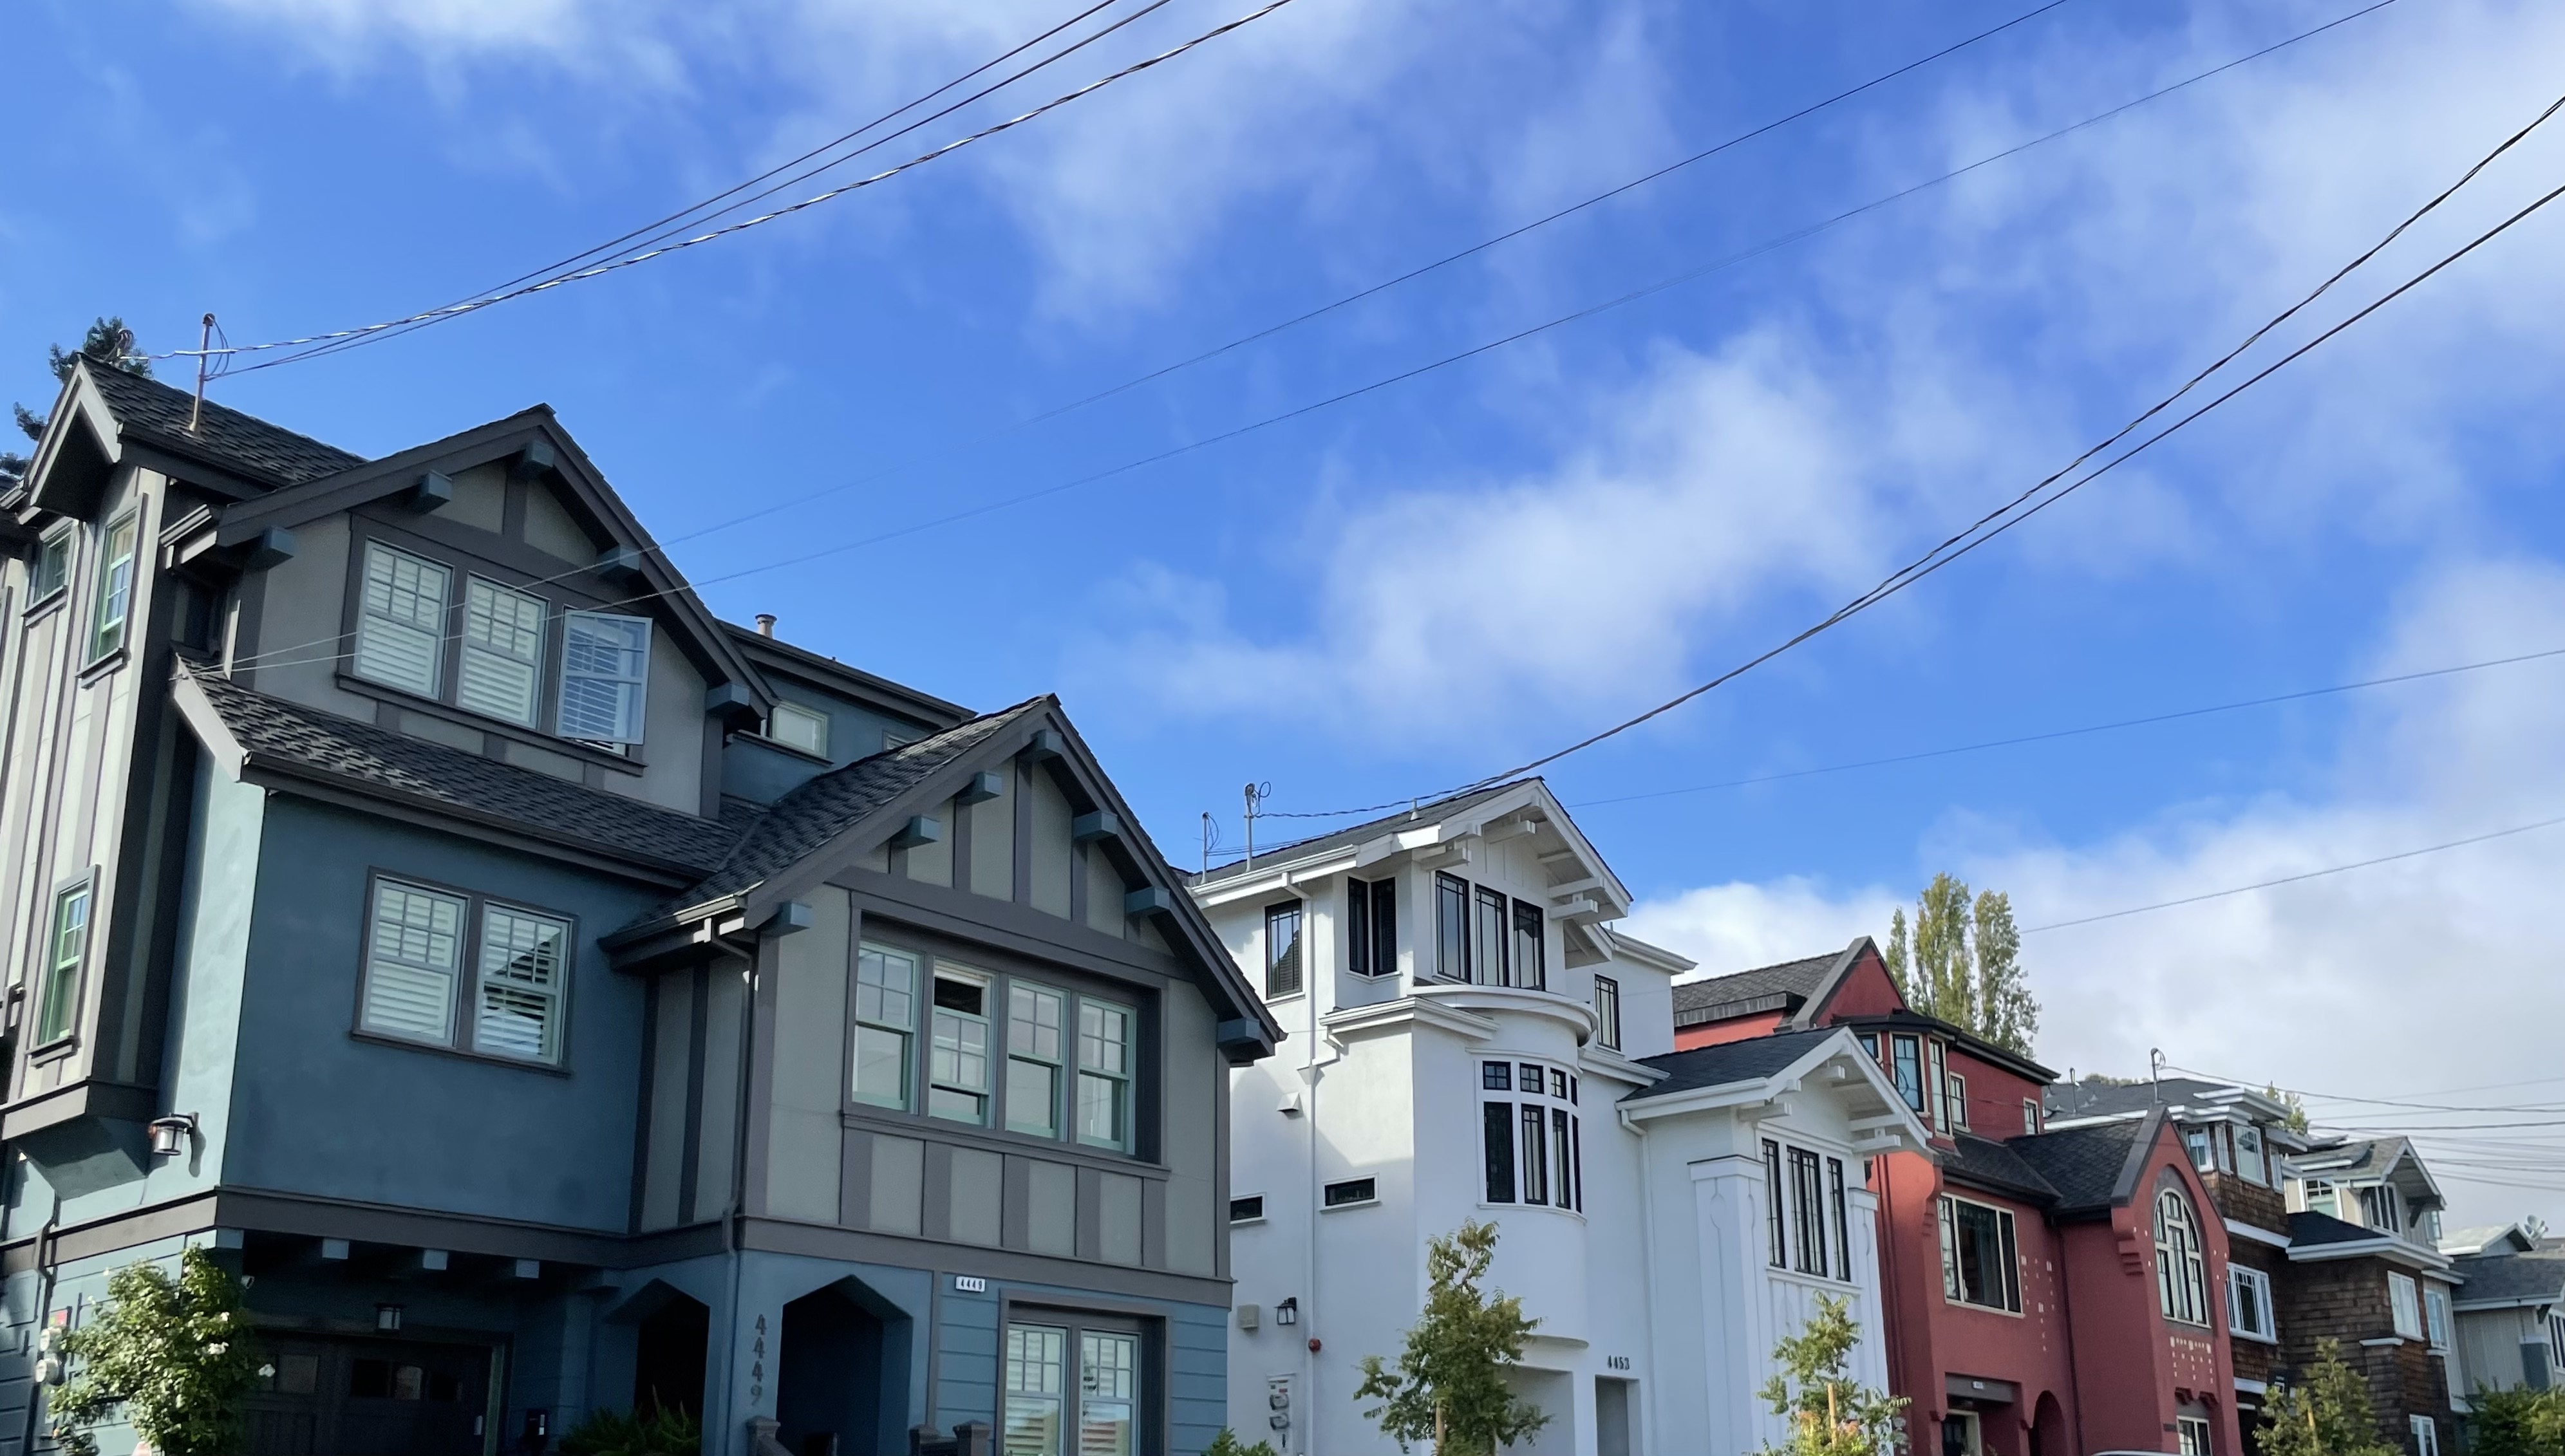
column 2049, row 1294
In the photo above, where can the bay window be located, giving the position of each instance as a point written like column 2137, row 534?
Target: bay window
column 1533, row 1149
column 1939, row 1099
column 1906, row 1068
column 1026, row 1057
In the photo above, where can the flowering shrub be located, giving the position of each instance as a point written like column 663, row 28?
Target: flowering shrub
column 175, row 1354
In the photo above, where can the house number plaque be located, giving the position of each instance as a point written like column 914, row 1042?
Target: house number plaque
column 1616, row 1361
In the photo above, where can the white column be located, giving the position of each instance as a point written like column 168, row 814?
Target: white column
column 1737, row 1342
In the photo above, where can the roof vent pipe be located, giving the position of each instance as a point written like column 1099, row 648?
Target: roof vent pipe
column 765, row 624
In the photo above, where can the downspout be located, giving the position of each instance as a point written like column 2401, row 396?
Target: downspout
column 1309, row 1352
column 1647, row 1284
column 739, row 1147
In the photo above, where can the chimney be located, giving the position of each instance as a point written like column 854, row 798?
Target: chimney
column 765, row 624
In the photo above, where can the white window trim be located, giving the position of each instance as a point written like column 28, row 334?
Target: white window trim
column 2426, row 1434
column 2437, row 1317
column 489, row 658
column 2244, row 1274
column 1947, row 1226
column 817, row 722
column 634, row 710
column 2405, row 1305
column 437, row 571
column 991, row 1048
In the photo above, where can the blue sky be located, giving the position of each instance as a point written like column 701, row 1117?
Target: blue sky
column 1450, row 575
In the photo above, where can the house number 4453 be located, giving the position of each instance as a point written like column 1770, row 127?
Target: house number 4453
column 1616, row 1361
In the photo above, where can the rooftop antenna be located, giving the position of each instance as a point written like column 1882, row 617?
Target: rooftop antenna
column 204, row 360
column 1210, row 839
column 1257, row 793
column 2155, row 1069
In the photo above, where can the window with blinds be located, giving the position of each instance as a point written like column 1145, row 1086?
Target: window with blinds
column 519, row 1013
column 503, row 652
column 515, row 1005
column 606, row 670
column 412, row 963
column 400, row 621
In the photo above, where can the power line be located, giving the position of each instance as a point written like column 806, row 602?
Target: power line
column 272, row 656
column 2070, row 732
column 631, row 260
column 720, row 203
column 2032, row 502
column 2295, row 879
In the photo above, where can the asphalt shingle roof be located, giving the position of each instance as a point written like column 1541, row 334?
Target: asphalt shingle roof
column 2498, row 1277
column 377, row 758
column 2094, row 1097
column 2082, row 1164
column 2353, row 1160
column 1423, row 813
column 799, row 823
column 2308, row 1230
column 1750, row 1060
column 1986, row 1161
column 223, row 436
column 1790, row 978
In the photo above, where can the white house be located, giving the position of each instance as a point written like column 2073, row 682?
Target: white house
column 1468, row 1039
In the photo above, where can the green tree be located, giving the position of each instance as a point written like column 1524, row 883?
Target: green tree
column 1830, row 1412
column 2326, row 1413
column 1449, row 1386
column 2517, row 1422
column 2296, row 1121
column 108, row 342
column 175, row 1354
column 1227, row 1444
column 1964, row 964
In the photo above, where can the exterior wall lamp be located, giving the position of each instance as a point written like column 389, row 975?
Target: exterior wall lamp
column 172, row 1134
column 1288, row 1311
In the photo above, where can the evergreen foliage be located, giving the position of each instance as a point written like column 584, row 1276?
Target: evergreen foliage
column 2326, row 1413
column 109, row 343
column 663, row 1432
column 175, row 1355
column 1226, row 1444
column 1449, row 1387
column 2296, row 1121
column 1964, row 964
column 2517, row 1422
column 1830, row 1414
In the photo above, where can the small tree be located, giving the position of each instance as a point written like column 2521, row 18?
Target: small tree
column 1964, row 964
column 2326, row 1413
column 109, row 344
column 2296, row 1121
column 1830, row 1414
column 1450, row 1384
column 2517, row 1422
column 1227, row 1444
column 175, row 1354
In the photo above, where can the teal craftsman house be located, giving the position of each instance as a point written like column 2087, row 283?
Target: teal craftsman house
column 553, row 999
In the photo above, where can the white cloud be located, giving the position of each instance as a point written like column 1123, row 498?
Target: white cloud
column 2428, row 973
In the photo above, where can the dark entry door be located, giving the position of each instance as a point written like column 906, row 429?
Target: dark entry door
column 370, row 1398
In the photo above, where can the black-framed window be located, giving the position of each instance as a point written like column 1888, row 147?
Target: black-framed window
column 66, row 950
column 1497, row 1119
column 1981, row 1263
column 1349, row 1191
column 1283, row 958
column 1776, row 1240
column 1246, row 1208
column 1069, row 1056
column 1939, row 1088
column 1562, row 1159
column 1535, row 1154
column 1607, row 1011
column 1074, row 1383
column 1371, row 927
column 1906, row 1068
column 1534, row 1149
column 1869, row 1043
column 1843, row 1220
column 1496, row 1076
column 1452, row 928
column 1954, row 1099
column 1487, row 935
column 465, row 972
column 53, row 571
column 1531, row 949
column 1808, row 1213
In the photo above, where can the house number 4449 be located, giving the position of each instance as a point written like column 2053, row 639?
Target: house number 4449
column 1616, row 1361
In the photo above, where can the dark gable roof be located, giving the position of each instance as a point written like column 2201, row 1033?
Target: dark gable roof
column 1423, row 813
column 2095, row 1098
column 223, row 436
column 277, row 733
column 2513, row 1278
column 2086, row 1165
column 803, row 821
column 1991, row 1164
column 2347, row 1158
column 1750, row 1060
column 2309, row 1230
column 1784, row 986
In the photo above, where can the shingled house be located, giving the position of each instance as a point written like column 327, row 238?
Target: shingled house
column 2512, row 1309
column 555, row 998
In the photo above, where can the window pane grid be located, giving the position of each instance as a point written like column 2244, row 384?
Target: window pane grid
column 1034, row 1033
column 605, row 665
column 520, row 971
column 1103, row 1074
column 61, row 978
column 115, row 589
column 1282, row 949
column 503, row 651
column 400, row 627
column 415, row 961
column 885, row 1019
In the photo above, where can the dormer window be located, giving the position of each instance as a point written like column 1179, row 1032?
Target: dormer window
column 605, row 669
column 401, row 626
column 797, row 727
column 115, row 590
column 503, row 652
column 53, row 565
column 2381, row 1209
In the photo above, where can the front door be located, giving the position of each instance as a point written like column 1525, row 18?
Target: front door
column 370, row 1398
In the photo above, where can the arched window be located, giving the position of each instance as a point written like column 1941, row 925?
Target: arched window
column 2181, row 1273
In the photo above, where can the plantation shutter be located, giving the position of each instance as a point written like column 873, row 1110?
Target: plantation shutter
column 412, row 963
column 606, row 668
column 401, row 626
column 503, row 652
column 521, row 984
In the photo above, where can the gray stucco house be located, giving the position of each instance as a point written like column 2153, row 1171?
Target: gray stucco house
column 552, row 998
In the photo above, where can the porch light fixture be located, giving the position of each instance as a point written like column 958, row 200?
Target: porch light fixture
column 387, row 1318
column 172, row 1134
column 1288, row 1311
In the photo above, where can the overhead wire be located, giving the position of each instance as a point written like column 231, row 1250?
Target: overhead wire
column 282, row 656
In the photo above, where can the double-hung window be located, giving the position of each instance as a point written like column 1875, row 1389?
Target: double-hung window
column 1371, row 927
column 2030, row 1116
column 1530, row 948
column 1282, row 971
column 1035, row 1027
column 2436, row 1316
column 1607, row 1011
column 2426, row 1434
column 2181, row 1273
column 2191, row 1436
column 1103, row 1074
column 606, row 672
column 415, row 990
column 400, row 621
column 53, row 565
column 65, row 949
column 885, row 1024
column 1906, row 1068
column 503, row 652
column 2249, row 1304
column 1054, row 1407
column 2404, row 1303
column 957, row 1078
column 1981, row 1263
column 115, row 589
column 1954, row 1099
column 1488, row 936
column 1808, row 1213
column 1452, row 928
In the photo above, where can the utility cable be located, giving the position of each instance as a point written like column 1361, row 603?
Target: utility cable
column 2071, row 732
column 632, row 260
column 1006, row 503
